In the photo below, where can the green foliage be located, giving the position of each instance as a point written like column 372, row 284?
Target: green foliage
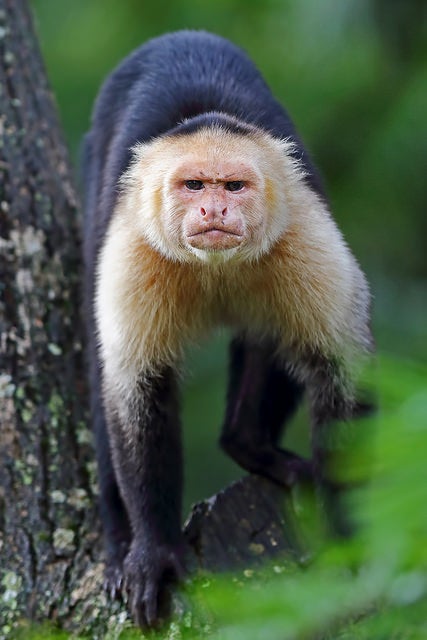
column 42, row 632
column 375, row 585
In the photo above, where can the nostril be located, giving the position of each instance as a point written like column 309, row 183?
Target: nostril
column 224, row 211
column 203, row 211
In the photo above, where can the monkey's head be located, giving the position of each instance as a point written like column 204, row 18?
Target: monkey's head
column 212, row 194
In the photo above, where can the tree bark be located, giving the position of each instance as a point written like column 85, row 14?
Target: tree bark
column 50, row 551
column 47, row 519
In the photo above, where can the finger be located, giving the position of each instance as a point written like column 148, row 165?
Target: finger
column 138, row 613
column 137, row 608
column 150, row 602
column 113, row 583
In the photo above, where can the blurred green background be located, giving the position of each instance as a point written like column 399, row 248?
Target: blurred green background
column 353, row 75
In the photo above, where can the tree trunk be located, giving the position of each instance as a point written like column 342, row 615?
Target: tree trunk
column 50, row 552
column 48, row 530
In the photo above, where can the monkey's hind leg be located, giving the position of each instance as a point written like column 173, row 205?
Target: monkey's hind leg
column 262, row 396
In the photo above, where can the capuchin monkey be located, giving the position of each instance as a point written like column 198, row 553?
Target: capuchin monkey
column 204, row 210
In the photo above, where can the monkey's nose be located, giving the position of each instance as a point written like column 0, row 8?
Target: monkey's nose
column 212, row 213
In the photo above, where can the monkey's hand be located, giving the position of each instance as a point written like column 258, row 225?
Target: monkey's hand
column 149, row 574
column 113, row 574
column 113, row 580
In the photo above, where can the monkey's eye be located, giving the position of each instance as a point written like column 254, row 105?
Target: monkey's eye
column 194, row 185
column 235, row 185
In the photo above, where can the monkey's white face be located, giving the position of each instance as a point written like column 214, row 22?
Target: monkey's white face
column 217, row 204
column 212, row 195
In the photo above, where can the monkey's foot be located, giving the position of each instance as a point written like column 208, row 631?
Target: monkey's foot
column 149, row 575
column 280, row 465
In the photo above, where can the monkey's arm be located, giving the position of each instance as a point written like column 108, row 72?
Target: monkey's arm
column 146, row 446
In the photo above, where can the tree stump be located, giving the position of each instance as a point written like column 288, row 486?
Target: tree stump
column 248, row 522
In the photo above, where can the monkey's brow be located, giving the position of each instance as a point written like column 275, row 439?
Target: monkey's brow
column 201, row 175
column 221, row 179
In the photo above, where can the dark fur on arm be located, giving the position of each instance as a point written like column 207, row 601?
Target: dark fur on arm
column 145, row 436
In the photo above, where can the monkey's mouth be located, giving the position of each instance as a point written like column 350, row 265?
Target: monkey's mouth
column 214, row 239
